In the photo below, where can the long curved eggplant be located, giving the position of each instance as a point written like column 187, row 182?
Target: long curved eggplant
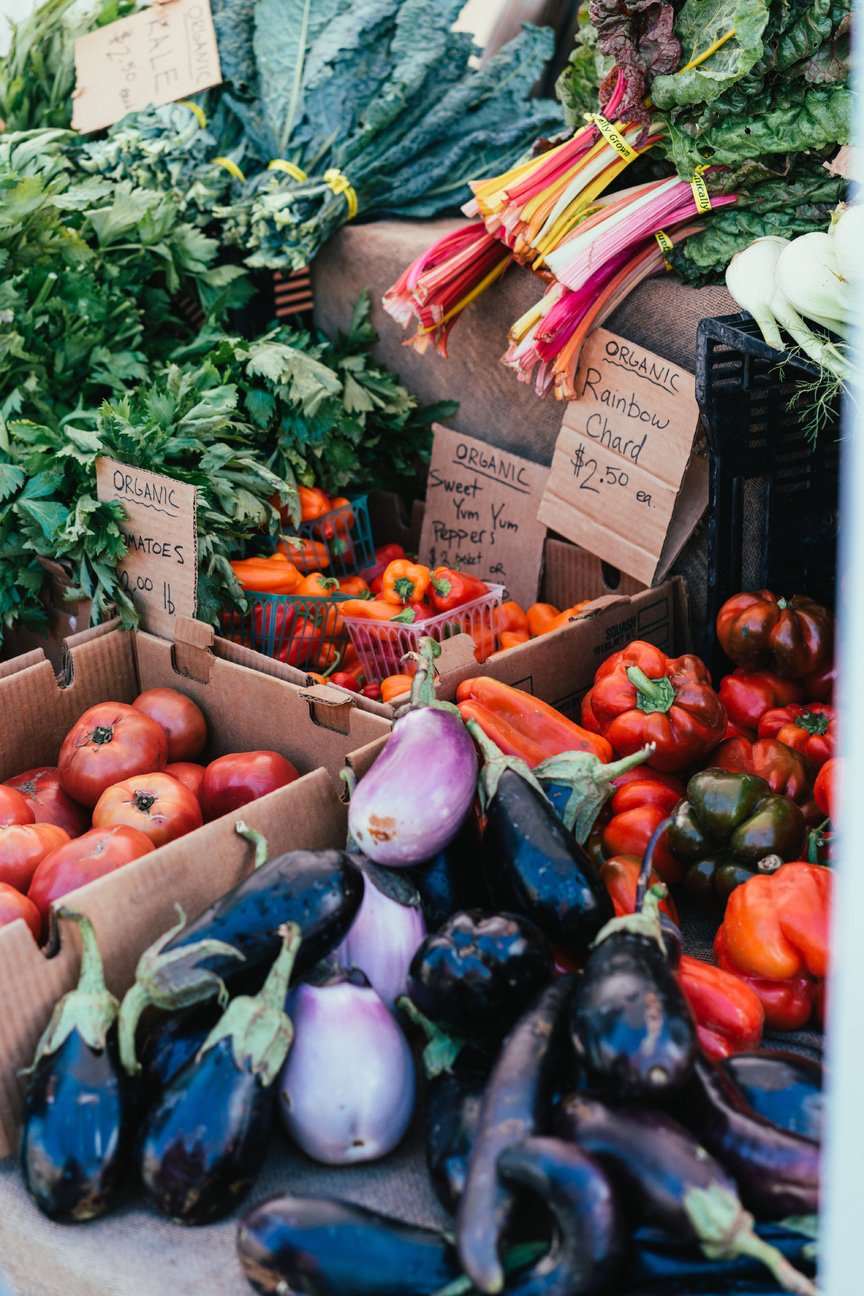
column 79, row 1105
column 453, row 1101
column 784, row 1088
column 670, row 1180
column 589, row 1241
column 515, row 1105
column 320, row 891
column 417, row 794
column 318, row 1246
column 661, row 1263
column 777, row 1172
column 205, row 1140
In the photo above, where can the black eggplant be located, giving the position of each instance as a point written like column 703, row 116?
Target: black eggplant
column 784, row 1088
column 631, row 1024
column 451, row 880
column 322, row 1247
column 660, row 1262
column 589, row 1240
column 670, row 1180
column 478, row 973
column 79, row 1105
column 453, row 1100
column 173, row 1041
column 319, row 890
column 777, row 1172
column 515, row 1105
column 203, row 1143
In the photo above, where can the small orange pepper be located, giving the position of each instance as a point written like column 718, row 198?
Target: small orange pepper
column 394, row 686
column 564, row 618
column 538, row 615
column 405, row 581
column 307, row 555
column 369, row 609
column 344, row 522
column 275, row 575
column 510, row 616
column 317, row 585
column 353, row 585
column 512, row 638
column 313, row 503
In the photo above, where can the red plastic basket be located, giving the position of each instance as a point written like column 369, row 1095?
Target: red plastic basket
column 381, row 645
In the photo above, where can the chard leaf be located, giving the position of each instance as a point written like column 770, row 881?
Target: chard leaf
column 49, row 515
column 699, row 24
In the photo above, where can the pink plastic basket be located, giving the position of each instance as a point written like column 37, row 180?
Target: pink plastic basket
column 381, row 645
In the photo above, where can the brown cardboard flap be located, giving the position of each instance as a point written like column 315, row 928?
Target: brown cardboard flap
column 571, row 574
column 22, row 662
column 193, row 645
column 456, row 653
column 360, row 761
column 234, row 652
column 329, row 706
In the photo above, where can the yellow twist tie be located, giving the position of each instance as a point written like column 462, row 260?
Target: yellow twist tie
column 340, row 184
column 296, row 172
column 613, row 136
column 701, row 196
column 665, row 245
column 196, row 109
column 231, row 167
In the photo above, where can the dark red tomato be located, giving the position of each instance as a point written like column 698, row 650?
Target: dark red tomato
column 49, row 803
column 14, row 807
column 15, row 905
column 181, row 719
column 99, row 852
column 23, row 847
column 155, row 804
column 110, row 742
column 187, row 773
column 234, row 780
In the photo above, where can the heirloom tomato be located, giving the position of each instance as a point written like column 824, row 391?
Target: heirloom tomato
column 49, row 803
column 233, row 781
column 99, row 852
column 23, row 847
column 14, row 807
column 15, row 905
column 111, row 741
column 156, row 804
column 187, row 773
column 182, row 720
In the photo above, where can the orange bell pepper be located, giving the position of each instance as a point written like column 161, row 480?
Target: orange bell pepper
column 355, row 586
column 307, row 555
column 776, row 925
column 313, row 503
column 394, row 686
column 405, row 582
column 539, row 615
column 563, row 618
column 523, row 725
column 274, row 575
column 511, row 617
column 317, row 585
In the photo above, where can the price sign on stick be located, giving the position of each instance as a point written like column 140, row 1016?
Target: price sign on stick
column 160, row 572
column 624, row 482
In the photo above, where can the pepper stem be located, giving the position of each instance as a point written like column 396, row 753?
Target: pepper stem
column 591, row 783
column 494, row 765
column 258, row 840
column 651, row 695
column 90, row 1009
column 441, row 1049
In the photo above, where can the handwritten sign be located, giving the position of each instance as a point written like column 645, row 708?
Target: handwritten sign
column 623, row 484
column 159, row 54
column 481, row 513
column 160, row 572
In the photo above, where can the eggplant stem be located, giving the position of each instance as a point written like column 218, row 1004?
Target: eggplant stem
column 590, row 782
column 648, row 862
column 258, row 840
column 90, row 1009
column 441, row 1049
column 789, row 1278
column 516, row 1258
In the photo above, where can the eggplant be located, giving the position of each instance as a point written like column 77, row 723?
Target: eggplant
column 533, row 866
column 515, row 1105
column 660, row 1262
column 173, row 1041
column 478, row 973
column 346, row 1093
column 451, row 880
column 589, row 1238
column 453, row 1100
column 203, row 1143
column 238, row 934
column 777, row 1172
column 784, row 1088
column 385, row 933
column 631, row 1023
column 322, row 1247
column 417, row 794
column 79, row 1104
column 668, row 1179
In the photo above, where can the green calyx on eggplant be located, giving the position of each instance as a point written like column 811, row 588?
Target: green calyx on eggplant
column 661, row 1263
column 237, row 936
column 478, row 973
column 631, row 1024
column 781, row 1087
column 667, row 1178
column 578, row 785
column 531, row 864
column 79, row 1105
column 416, row 796
column 204, row 1141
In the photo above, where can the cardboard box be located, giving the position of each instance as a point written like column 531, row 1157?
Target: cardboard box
column 246, row 709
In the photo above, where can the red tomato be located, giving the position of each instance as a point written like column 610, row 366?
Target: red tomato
column 111, row 741
column 155, row 804
column 49, row 803
column 181, row 719
column 23, row 846
column 234, row 780
column 14, row 807
column 15, row 905
column 99, row 852
column 187, row 773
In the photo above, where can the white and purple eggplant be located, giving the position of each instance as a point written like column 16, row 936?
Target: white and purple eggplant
column 347, row 1090
column 385, row 934
column 417, row 794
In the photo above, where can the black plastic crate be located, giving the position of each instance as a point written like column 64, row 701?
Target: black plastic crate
column 773, row 501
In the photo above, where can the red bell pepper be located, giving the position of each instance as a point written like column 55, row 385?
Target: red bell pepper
column 819, row 687
column 384, row 555
column 640, row 696
column 809, row 729
column 793, row 637
column 823, row 788
column 372, row 691
column 452, row 589
column 747, row 695
column 640, row 786
column 589, row 720
column 729, row 1014
column 784, row 770
column 523, row 725
column 629, row 833
column 788, row 1005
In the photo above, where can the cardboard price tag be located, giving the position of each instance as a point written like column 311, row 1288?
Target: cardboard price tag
column 162, row 53
column 481, row 513
column 160, row 572
column 624, row 483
